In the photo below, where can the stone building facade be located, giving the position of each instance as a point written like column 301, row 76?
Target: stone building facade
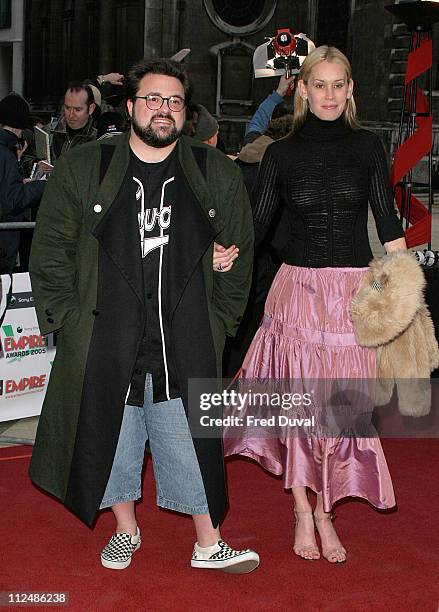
column 11, row 46
column 74, row 39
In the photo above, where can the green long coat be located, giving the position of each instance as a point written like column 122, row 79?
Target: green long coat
column 86, row 273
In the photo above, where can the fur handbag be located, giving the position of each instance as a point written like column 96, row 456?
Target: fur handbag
column 389, row 313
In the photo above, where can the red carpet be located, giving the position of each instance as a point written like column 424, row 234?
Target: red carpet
column 393, row 561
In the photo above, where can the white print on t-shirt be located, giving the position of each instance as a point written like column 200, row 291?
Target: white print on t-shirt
column 149, row 218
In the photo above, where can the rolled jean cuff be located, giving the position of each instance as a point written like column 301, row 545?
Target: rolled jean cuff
column 172, row 505
column 120, row 499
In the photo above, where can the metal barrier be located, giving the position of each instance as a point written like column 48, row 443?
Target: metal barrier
column 388, row 132
column 13, row 440
column 17, row 225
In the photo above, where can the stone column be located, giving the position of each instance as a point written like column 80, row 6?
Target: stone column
column 370, row 58
column 313, row 9
column 153, row 34
column 17, row 46
column 57, row 80
column 17, row 66
column 172, row 9
column 107, row 37
column 79, row 62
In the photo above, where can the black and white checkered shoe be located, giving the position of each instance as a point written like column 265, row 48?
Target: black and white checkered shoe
column 117, row 553
column 220, row 556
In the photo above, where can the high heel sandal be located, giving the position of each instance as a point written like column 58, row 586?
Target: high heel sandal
column 332, row 554
column 307, row 548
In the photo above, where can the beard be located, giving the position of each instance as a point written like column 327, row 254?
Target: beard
column 157, row 138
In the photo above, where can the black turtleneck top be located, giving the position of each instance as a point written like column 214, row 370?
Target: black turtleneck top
column 324, row 176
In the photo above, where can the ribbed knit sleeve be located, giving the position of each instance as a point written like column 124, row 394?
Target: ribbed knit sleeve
column 381, row 197
column 265, row 197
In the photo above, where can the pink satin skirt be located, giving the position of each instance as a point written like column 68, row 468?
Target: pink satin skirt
column 307, row 334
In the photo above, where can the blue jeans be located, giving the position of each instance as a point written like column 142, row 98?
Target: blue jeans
column 179, row 485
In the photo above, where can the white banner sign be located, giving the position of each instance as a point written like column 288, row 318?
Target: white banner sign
column 25, row 355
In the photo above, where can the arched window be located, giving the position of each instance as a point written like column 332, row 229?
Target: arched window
column 240, row 18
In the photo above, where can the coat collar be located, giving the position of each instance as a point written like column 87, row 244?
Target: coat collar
column 61, row 127
column 118, row 168
column 111, row 184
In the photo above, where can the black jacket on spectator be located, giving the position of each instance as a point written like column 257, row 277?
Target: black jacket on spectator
column 62, row 141
column 15, row 198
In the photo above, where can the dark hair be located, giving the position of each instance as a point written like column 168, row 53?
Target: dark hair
column 279, row 127
column 281, row 109
column 34, row 119
column 164, row 66
column 77, row 87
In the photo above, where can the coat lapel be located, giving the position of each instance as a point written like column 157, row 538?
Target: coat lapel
column 113, row 218
column 192, row 232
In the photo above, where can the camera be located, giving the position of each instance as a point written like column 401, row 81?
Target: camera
column 282, row 54
column 287, row 50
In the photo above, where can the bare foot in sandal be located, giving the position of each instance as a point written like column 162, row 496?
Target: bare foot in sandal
column 305, row 545
column 332, row 549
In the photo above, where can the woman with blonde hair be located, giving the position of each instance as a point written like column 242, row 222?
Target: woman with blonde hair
column 324, row 175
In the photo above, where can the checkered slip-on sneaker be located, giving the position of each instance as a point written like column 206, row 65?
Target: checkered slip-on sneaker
column 117, row 553
column 222, row 557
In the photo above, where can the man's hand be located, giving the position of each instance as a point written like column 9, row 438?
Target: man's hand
column 223, row 258
column 284, row 84
column 115, row 78
column 44, row 167
column 21, row 148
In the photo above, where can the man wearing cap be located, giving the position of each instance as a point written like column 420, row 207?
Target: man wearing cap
column 140, row 314
column 205, row 126
column 15, row 196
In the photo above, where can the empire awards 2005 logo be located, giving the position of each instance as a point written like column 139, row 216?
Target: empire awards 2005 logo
column 17, row 345
column 28, row 384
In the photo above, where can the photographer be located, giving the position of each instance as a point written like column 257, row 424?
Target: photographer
column 259, row 122
column 16, row 196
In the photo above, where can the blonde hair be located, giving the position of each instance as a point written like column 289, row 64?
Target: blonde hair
column 321, row 54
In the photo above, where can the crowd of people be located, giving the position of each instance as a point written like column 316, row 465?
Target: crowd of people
column 150, row 223
column 84, row 116
column 93, row 109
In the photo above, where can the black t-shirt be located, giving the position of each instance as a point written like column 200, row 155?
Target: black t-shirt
column 154, row 198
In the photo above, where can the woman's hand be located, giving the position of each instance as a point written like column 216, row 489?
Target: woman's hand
column 223, row 258
column 395, row 245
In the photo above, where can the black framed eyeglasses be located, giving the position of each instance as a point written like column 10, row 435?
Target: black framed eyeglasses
column 154, row 102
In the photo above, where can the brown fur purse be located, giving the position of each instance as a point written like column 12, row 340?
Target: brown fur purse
column 389, row 313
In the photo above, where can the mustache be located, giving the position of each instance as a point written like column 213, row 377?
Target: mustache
column 163, row 116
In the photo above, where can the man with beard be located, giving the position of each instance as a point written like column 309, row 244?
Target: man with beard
column 136, row 322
